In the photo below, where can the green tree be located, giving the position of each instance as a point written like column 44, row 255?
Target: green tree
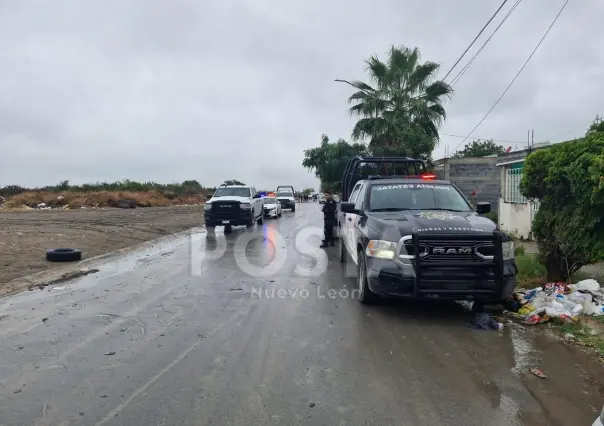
column 233, row 182
column 480, row 148
column 329, row 159
column 401, row 108
column 596, row 126
column 568, row 181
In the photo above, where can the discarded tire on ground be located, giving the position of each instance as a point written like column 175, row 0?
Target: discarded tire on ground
column 63, row 255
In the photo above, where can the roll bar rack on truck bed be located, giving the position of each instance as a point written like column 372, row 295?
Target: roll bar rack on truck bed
column 413, row 167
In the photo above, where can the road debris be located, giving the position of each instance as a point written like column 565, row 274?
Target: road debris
column 483, row 321
column 109, row 353
column 538, row 373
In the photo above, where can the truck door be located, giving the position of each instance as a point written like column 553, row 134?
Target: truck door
column 348, row 225
column 256, row 202
column 359, row 223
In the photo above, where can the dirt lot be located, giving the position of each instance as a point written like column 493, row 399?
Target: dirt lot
column 26, row 235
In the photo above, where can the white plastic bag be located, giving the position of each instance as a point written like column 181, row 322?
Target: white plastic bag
column 593, row 309
column 557, row 313
column 586, row 285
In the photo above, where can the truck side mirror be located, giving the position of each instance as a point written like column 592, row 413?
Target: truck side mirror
column 483, row 208
column 346, row 207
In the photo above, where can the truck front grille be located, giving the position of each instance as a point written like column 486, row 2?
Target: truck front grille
column 226, row 207
column 461, row 251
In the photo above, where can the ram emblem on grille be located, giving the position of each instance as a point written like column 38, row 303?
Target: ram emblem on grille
column 449, row 251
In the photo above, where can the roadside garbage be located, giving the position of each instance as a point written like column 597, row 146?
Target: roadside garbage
column 483, row 321
column 558, row 300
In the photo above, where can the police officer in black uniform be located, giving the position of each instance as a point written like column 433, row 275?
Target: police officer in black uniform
column 330, row 210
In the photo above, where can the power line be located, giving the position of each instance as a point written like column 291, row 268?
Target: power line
column 475, row 38
column 516, row 76
column 486, row 139
column 465, row 68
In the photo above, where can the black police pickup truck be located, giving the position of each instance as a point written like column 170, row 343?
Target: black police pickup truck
column 415, row 236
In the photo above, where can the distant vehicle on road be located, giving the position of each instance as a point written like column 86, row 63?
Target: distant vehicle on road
column 415, row 236
column 287, row 196
column 321, row 198
column 272, row 207
column 233, row 205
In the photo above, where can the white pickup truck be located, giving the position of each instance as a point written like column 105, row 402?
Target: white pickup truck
column 233, row 205
column 287, row 197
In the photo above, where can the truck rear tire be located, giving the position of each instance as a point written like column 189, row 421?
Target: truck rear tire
column 260, row 220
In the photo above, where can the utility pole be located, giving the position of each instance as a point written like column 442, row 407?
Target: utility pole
column 533, row 138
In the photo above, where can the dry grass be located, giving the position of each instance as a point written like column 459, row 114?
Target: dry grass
column 76, row 200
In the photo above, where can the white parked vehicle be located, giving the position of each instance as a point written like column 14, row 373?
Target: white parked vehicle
column 233, row 205
column 272, row 207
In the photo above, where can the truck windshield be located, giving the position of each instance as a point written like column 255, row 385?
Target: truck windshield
column 285, row 194
column 416, row 196
column 232, row 192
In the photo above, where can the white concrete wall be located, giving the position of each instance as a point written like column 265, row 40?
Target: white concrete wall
column 516, row 218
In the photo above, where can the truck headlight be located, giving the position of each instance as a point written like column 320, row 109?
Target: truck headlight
column 507, row 249
column 246, row 206
column 207, row 206
column 381, row 249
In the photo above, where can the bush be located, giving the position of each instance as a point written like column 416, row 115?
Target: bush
column 568, row 180
column 145, row 194
column 98, row 199
column 531, row 272
column 493, row 216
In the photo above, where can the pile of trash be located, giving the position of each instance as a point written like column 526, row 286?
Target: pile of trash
column 558, row 300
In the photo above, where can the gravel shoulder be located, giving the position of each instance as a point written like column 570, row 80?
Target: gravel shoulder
column 25, row 235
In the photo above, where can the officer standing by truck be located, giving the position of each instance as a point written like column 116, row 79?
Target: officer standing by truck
column 329, row 210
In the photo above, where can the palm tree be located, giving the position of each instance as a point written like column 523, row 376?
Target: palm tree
column 401, row 109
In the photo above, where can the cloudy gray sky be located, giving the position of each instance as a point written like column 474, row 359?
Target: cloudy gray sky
column 212, row 90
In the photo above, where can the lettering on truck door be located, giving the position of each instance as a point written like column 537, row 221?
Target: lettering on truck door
column 349, row 222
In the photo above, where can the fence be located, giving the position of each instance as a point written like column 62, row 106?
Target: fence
column 511, row 186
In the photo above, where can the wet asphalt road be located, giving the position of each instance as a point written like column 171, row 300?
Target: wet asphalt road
column 177, row 336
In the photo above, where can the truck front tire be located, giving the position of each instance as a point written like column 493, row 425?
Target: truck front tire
column 366, row 296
